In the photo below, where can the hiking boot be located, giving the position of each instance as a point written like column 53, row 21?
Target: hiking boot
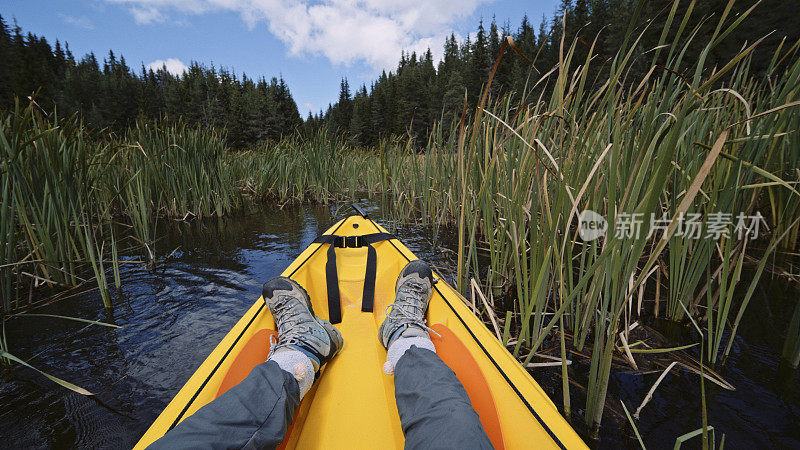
column 298, row 328
column 406, row 316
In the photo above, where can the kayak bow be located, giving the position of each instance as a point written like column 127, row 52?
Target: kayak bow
column 352, row 404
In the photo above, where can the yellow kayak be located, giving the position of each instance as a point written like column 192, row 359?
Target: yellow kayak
column 352, row 405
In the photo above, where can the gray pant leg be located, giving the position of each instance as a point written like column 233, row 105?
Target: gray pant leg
column 254, row 414
column 434, row 408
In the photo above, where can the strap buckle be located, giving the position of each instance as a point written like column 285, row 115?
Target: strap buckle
column 351, row 241
column 346, row 241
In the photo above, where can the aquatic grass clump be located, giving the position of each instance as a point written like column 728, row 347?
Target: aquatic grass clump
column 183, row 167
column 53, row 213
column 69, row 198
column 319, row 168
column 681, row 143
column 65, row 192
column 170, row 170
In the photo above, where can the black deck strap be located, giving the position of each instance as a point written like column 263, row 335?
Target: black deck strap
column 332, row 278
column 368, row 298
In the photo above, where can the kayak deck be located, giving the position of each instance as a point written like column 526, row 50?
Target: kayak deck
column 352, row 405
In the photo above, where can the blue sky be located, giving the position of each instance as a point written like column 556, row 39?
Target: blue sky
column 312, row 43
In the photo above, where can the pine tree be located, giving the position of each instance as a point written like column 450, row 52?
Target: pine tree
column 453, row 99
column 451, row 60
column 479, row 66
column 287, row 108
column 6, row 70
column 493, row 51
column 360, row 128
column 344, row 107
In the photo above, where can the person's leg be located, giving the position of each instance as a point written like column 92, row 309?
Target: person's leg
column 435, row 411
column 253, row 414
column 256, row 412
column 434, row 408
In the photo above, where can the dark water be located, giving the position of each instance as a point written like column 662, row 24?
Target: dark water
column 173, row 316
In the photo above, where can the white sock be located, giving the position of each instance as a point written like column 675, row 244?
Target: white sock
column 297, row 364
column 398, row 348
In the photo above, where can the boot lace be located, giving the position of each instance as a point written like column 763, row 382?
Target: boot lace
column 409, row 309
column 290, row 322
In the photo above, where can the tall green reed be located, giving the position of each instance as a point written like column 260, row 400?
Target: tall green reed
column 666, row 146
column 50, row 202
column 65, row 190
column 320, row 168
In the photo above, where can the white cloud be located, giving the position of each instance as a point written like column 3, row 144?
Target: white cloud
column 146, row 15
column 173, row 65
column 80, row 22
column 343, row 31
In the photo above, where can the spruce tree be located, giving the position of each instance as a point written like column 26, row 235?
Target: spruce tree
column 344, row 107
column 479, row 66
